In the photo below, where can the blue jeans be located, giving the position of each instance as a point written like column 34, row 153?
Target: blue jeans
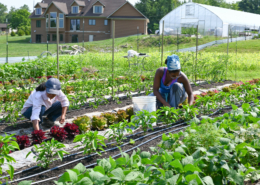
column 52, row 113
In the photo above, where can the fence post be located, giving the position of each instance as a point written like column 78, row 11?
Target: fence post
column 6, row 41
column 113, row 50
column 197, row 35
column 57, row 39
column 227, row 49
column 162, row 44
column 177, row 39
column 137, row 41
column 83, row 35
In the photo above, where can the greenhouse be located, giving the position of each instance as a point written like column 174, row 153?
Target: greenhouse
column 210, row 20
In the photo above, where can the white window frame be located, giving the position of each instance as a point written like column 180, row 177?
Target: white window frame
column 92, row 22
column 95, row 9
column 36, row 11
column 47, row 20
column 61, row 19
column 105, row 22
column 53, row 19
column 72, row 10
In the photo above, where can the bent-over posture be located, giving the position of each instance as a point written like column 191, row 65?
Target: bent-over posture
column 171, row 86
column 46, row 100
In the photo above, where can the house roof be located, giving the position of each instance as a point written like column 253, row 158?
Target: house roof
column 111, row 6
column 99, row 2
column 2, row 25
column 43, row 5
column 80, row 3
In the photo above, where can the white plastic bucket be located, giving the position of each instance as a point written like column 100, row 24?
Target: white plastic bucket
column 144, row 103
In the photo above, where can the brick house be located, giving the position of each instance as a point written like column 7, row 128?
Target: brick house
column 90, row 20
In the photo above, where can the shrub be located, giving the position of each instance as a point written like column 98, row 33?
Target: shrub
column 121, row 115
column 12, row 33
column 72, row 129
column 58, row 133
column 27, row 32
column 111, row 117
column 38, row 136
column 23, row 141
column 20, row 33
column 99, row 122
column 84, row 123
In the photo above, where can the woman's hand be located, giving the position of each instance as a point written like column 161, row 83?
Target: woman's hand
column 167, row 105
column 62, row 119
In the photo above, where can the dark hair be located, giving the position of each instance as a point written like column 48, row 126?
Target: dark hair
column 41, row 87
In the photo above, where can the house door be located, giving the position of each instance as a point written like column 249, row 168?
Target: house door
column 74, row 38
column 90, row 38
column 38, row 39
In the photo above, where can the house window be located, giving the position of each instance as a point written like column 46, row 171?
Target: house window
column 61, row 20
column 98, row 9
column 74, row 24
column 54, row 37
column 190, row 10
column 75, row 9
column 91, row 22
column 53, row 17
column 61, row 37
column 38, row 11
column 48, row 37
column 47, row 21
column 105, row 22
column 38, row 23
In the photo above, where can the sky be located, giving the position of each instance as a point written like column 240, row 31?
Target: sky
column 19, row 3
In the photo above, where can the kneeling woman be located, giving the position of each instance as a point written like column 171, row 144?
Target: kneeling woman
column 171, row 86
column 46, row 100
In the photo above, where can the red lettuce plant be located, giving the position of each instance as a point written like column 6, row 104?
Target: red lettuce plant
column 72, row 129
column 23, row 141
column 48, row 77
column 58, row 133
column 38, row 136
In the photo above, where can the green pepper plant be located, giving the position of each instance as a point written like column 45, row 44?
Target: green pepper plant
column 91, row 141
column 47, row 151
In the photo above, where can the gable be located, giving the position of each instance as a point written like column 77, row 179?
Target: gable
column 53, row 8
column 74, row 4
column 127, row 10
column 97, row 4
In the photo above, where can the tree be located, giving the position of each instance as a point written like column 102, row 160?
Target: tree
column 10, row 13
column 3, row 9
column 26, row 7
column 154, row 10
column 252, row 6
column 20, row 18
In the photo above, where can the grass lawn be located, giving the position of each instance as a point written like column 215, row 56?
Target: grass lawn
column 21, row 46
column 248, row 46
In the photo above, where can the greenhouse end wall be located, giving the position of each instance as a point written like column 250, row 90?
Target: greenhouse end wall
column 187, row 16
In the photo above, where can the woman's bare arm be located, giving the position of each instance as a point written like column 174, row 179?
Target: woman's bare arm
column 184, row 80
column 156, row 86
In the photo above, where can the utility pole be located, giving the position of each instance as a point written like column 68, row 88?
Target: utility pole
column 6, row 41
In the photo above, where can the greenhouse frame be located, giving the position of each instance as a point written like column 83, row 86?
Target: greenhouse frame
column 210, row 20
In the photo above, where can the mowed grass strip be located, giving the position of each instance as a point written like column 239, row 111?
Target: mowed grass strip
column 20, row 46
column 247, row 46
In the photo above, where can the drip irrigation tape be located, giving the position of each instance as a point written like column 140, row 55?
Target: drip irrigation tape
column 82, row 158
column 105, row 151
column 119, row 153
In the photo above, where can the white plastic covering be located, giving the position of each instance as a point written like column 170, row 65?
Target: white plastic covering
column 210, row 20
